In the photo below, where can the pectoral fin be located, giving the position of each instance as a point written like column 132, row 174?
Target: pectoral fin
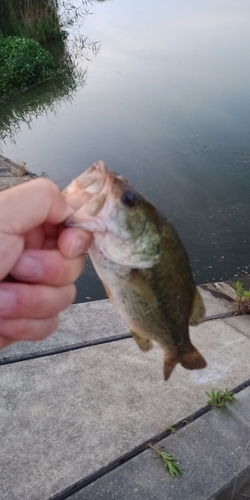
column 142, row 288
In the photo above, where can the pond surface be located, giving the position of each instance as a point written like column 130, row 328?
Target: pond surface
column 166, row 102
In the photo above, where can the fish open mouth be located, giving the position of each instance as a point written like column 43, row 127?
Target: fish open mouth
column 87, row 195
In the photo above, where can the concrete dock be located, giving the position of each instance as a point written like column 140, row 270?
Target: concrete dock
column 78, row 410
column 12, row 173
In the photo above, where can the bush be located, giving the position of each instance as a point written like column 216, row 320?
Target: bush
column 23, row 62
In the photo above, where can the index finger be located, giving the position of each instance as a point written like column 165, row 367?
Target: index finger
column 24, row 208
column 28, row 205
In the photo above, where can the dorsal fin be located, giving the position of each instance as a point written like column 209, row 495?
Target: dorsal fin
column 198, row 310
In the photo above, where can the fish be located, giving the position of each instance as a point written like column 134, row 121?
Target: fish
column 141, row 262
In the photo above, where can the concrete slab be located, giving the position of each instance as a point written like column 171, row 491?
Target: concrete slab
column 79, row 323
column 242, row 409
column 8, row 182
column 219, row 298
column 98, row 319
column 222, row 345
column 12, row 174
column 211, row 451
column 65, row 416
column 243, row 491
column 241, row 323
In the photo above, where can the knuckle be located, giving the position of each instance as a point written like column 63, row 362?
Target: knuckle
column 46, row 185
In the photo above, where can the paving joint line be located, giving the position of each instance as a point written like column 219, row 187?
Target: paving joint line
column 126, row 457
column 66, row 348
column 82, row 345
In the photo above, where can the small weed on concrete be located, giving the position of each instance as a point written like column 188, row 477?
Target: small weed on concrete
column 170, row 462
column 243, row 299
column 171, row 428
column 220, row 399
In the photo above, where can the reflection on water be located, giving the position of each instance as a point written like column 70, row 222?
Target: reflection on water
column 48, row 96
column 166, row 102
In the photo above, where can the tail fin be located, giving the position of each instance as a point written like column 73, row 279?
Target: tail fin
column 171, row 358
column 190, row 359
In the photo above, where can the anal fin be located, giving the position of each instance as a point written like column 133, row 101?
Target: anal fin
column 171, row 358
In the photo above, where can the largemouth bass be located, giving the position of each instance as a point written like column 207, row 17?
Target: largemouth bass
column 141, row 262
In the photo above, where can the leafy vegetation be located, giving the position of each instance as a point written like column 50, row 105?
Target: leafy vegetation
column 43, row 98
column 44, row 78
column 171, row 428
column 23, row 62
column 46, row 97
column 170, row 462
column 220, row 399
column 243, row 299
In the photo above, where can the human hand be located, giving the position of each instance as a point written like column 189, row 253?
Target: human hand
column 44, row 257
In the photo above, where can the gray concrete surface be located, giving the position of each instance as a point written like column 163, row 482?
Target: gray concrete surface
column 98, row 319
column 242, row 409
column 78, row 324
column 210, row 450
column 12, row 174
column 63, row 417
column 240, row 323
column 219, row 298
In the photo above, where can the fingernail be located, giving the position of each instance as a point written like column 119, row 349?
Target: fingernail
column 79, row 246
column 27, row 268
column 7, row 301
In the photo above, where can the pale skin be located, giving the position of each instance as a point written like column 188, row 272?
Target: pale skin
column 43, row 257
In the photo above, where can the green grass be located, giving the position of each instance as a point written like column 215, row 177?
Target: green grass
column 37, row 19
column 170, row 462
column 220, row 399
column 171, row 428
column 243, row 299
column 42, row 20
column 240, row 292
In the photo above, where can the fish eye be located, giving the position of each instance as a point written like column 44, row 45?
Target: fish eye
column 128, row 198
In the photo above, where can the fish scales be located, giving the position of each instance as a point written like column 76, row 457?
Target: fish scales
column 142, row 263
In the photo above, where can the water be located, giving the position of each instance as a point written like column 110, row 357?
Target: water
column 166, row 102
